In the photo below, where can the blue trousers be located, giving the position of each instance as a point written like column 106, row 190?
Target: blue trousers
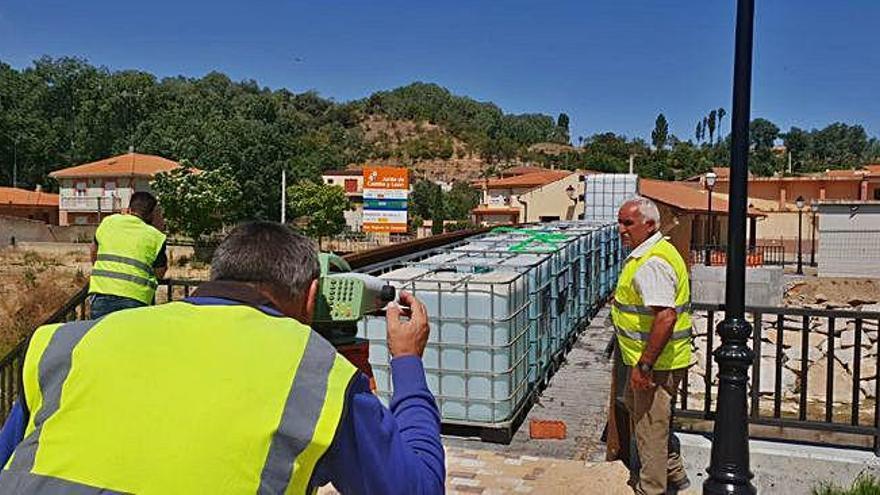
column 104, row 304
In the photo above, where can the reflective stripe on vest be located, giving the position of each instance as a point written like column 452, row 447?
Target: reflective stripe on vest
column 633, row 319
column 127, row 248
column 646, row 310
column 252, row 410
column 677, row 335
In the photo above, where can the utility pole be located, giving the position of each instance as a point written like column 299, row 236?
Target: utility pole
column 283, row 196
column 729, row 471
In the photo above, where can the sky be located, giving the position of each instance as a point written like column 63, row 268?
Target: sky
column 611, row 65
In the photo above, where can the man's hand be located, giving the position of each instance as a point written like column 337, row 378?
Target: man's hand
column 407, row 338
column 639, row 380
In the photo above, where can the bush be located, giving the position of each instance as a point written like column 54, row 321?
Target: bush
column 865, row 484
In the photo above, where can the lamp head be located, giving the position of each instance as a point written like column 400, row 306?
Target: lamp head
column 799, row 202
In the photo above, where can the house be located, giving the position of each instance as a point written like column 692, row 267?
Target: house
column 33, row 205
column 93, row 190
column 849, row 236
column 847, row 185
column 352, row 182
column 684, row 215
column 540, row 196
column 776, row 198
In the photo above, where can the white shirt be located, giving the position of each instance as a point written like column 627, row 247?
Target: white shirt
column 655, row 280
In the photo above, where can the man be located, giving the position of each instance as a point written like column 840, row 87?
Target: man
column 128, row 256
column 227, row 391
column 653, row 325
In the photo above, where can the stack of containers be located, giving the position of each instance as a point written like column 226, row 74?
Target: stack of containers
column 476, row 358
column 501, row 309
column 605, row 193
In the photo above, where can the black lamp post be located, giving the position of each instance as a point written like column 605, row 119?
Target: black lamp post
column 814, row 208
column 799, row 202
column 729, row 466
column 711, row 177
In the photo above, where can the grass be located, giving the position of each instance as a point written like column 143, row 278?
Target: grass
column 865, row 484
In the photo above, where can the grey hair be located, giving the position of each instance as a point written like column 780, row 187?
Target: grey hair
column 646, row 208
column 268, row 253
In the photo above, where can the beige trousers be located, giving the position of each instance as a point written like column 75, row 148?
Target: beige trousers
column 650, row 417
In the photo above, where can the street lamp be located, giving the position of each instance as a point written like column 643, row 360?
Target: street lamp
column 729, row 465
column 814, row 208
column 711, row 177
column 799, row 202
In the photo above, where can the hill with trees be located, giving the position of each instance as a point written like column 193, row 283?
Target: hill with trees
column 64, row 111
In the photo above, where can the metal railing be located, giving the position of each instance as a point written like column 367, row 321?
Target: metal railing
column 814, row 371
column 757, row 256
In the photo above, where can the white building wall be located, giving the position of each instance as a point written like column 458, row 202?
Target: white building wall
column 849, row 240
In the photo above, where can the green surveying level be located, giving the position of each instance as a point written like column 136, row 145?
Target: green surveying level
column 344, row 297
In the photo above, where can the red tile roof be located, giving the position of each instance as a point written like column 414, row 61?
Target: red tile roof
column 534, row 179
column 526, row 169
column 127, row 165
column 495, row 210
column 346, row 173
column 24, row 197
column 684, row 197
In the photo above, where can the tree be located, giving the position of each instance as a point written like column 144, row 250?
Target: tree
column 660, row 134
column 797, row 143
column 721, row 113
column 562, row 123
column 197, row 203
column 712, row 117
column 460, row 200
column 762, row 134
column 318, row 209
column 699, row 133
column 705, row 127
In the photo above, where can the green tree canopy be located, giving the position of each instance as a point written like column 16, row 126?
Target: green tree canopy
column 319, row 209
column 660, row 134
column 198, row 203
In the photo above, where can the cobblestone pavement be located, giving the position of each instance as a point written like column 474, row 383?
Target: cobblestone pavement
column 577, row 395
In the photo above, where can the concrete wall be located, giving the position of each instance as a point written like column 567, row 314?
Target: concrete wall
column 849, row 244
column 25, row 230
column 764, row 285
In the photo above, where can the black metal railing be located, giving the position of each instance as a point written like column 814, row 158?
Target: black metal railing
column 760, row 255
column 814, row 371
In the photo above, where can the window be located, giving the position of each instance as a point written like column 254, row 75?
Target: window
column 109, row 189
column 877, row 194
column 80, row 188
column 329, row 181
column 351, row 185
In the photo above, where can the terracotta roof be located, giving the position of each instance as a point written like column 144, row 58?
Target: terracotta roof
column 127, row 165
column 494, row 210
column 684, row 197
column 346, row 173
column 535, row 179
column 24, row 197
column 526, row 169
column 873, row 169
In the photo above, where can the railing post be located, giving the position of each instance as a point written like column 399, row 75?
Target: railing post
column 729, row 467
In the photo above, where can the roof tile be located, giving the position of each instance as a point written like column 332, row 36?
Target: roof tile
column 127, row 165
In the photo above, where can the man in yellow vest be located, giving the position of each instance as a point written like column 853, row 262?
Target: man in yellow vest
column 226, row 392
column 128, row 257
column 651, row 316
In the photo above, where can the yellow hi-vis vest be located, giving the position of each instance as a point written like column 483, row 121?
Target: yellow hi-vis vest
column 127, row 248
column 633, row 320
column 177, row 398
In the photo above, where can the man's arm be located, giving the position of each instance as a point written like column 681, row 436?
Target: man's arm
column 396, row 451
column 160, row 266
column 13, row 432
